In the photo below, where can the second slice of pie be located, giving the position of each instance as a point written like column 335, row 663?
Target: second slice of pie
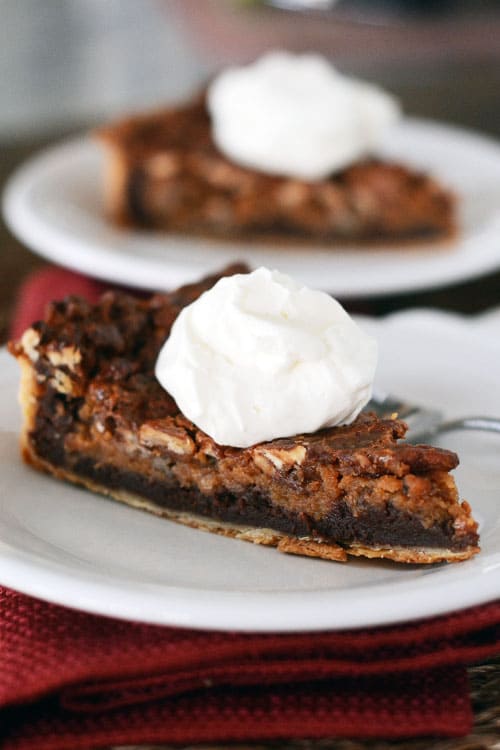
column 282, row 148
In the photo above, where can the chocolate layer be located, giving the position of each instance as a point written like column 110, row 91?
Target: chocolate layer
column 379, row 526
column 363, row 519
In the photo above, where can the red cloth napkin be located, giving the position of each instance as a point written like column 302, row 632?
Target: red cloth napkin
column 84, row 681
column 73, row 680
column 44, row 286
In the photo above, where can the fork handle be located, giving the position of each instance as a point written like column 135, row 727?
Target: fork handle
column 482, row 424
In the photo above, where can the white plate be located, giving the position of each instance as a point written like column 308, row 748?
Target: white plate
column 69, row 546
column 54, row 204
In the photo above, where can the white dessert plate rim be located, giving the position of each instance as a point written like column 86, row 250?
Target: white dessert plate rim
column 74, row 548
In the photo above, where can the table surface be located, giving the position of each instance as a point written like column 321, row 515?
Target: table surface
column 16, row 262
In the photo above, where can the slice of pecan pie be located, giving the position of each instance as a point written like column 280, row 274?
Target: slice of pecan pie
column 165, row 172
column 94, row 414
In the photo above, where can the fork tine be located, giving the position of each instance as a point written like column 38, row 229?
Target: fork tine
column 424, row 423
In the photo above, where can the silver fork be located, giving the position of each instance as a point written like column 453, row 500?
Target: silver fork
column 423, row 423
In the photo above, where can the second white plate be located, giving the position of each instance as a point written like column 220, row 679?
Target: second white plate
column 54, row 204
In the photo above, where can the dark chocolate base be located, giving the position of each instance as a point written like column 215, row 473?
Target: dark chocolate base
column 385, row 526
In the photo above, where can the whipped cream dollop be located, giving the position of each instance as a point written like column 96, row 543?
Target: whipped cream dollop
column 295, row 115
column 259, row 356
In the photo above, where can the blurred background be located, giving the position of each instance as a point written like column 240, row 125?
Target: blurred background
column 66, row 65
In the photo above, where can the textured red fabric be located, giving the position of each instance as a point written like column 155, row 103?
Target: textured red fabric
column 73, row 680
column 44, row 286
column 70, row 679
